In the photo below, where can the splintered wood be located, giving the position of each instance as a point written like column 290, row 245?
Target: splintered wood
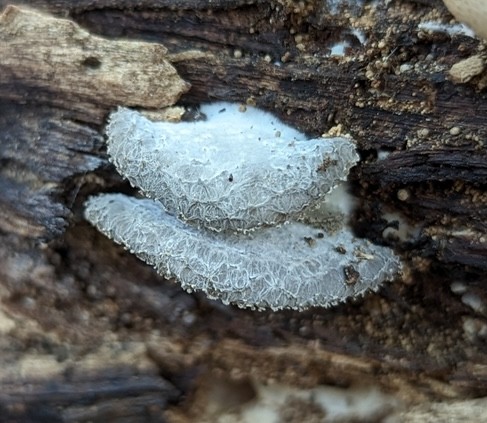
column 56, row 55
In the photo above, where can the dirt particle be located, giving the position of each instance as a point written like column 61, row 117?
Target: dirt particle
column 403, row 194
column 351, row 275
column 423, row 133
column 455, row 131
column 465, row 70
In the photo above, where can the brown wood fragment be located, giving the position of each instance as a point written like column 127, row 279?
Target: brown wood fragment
column 67, row 60
column 466, row 69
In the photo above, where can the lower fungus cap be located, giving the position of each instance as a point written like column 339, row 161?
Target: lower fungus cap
column 293, row 266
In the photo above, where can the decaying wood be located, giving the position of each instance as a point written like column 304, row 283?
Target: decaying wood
column 68, row 294
column 65, row 67
column 67, row 62
column 134, row 398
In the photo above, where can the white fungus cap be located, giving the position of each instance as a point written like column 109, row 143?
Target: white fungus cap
column 293, row 266
column 235, row 170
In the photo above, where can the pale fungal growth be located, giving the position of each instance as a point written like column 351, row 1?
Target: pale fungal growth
column 450, row 29
column 333, row 7
column 292, row 266
column 235, row 172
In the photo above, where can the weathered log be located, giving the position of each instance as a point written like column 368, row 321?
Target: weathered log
column 422, row 140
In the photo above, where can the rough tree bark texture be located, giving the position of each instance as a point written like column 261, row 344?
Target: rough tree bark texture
column 85, row 325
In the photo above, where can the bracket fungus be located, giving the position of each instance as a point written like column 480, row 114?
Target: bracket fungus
column 234, row 171
column 239, row 209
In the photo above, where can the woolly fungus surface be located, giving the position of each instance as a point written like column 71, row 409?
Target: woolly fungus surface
column 230, row 192
column 235, row 170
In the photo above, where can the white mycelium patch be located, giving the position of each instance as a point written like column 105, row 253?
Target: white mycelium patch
column 451, row 29
column 225, row 186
